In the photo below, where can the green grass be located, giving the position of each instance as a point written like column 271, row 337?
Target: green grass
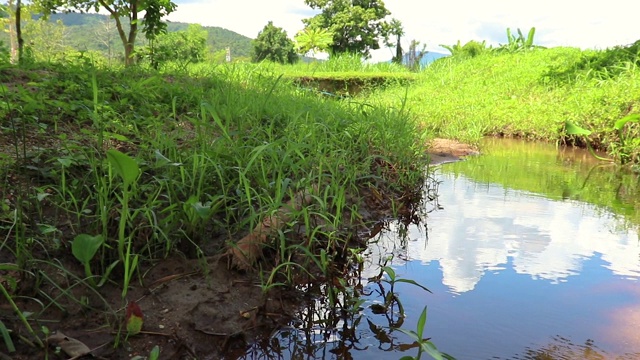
column 155, row 162
column 128, row 166
column 526, row 94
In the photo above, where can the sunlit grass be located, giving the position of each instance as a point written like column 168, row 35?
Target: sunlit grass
column 512, row 95
column 214, row 151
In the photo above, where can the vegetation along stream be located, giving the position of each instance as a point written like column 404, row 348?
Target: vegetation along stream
column 181, row 203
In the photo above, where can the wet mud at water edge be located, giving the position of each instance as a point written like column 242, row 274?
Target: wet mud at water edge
column 200, row 309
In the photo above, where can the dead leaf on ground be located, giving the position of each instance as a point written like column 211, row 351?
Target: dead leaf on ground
column 70, row 346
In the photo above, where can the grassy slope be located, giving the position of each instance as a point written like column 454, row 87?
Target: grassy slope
column 244, row 137
column 510, row 94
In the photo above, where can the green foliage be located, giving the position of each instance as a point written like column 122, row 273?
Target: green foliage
column 272, row 44
column 519, row 43
column 46, row 40
column 128, row 170
column 425, row 346
column 209, row 152
column 506, row 94
column 84, row 247
column 97, row 33
column 4, row 53
column 312, row 40
column 591, row 64
column 182, row 47
column 470, row 49
column 357, row 26
column 152, row 26
column 626, row 150
column 6, row 336
column 396, row 29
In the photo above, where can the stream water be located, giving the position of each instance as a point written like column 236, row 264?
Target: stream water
column 529, row 251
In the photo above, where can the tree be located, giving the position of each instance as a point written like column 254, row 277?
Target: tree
column 152, row 26
column 5, row 19
column 357, row 26
column 104, row 33
column 397, row 30
column 45, row 39
column 414, row 56
column 312, row 40
column 273, row 44
column 183, row 47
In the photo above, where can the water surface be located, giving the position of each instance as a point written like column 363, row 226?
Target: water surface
column 520, row 267
column 530, row 252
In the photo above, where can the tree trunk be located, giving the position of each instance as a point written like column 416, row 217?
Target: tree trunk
column 133, row 31
column 19, row 31
column 12, row 34
column 127, row 41
column 398, row 58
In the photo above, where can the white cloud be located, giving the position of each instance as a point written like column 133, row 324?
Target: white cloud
column 558, row 22
column 483, row 228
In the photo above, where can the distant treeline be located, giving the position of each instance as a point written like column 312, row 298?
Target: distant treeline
column 98, row 33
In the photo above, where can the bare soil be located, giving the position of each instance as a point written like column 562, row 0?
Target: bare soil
column 446, row 150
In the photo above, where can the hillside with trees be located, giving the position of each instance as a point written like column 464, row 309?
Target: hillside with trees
column 96, row 32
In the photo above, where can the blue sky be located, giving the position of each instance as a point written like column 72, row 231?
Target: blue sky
column 577, row 23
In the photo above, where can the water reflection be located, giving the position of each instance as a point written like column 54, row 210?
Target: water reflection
column 483, row 227
column 530, row 253
column 513, row 266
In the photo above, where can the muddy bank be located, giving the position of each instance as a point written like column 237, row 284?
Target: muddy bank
column 445, row 150
column 198, row 308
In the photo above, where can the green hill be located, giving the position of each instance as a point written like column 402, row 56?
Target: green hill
column 98, row 32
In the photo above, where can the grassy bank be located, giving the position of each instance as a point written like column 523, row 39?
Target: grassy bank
column 105, row 172
column 529, row 94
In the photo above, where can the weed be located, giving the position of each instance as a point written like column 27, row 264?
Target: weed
column 425, row 346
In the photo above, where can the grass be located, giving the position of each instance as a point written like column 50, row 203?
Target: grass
column 128, row 166
column 527, row 94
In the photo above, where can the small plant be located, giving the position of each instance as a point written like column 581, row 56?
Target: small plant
column 628, row 141
column 393, row 279
column 425, row 346
column 21, row 315
column 133, row 319
column 84, row 247
column 519, row 43
column 128, row 170
column 154, row 354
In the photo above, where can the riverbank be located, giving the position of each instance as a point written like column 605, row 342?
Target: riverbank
column 529, row 95
column 127, row 186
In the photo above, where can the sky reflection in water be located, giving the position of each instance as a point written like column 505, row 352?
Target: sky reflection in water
column 515, row 273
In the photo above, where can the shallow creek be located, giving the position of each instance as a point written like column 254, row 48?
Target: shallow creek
column 530, row 252
column 520, row 265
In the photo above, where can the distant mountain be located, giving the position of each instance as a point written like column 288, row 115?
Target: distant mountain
column 431, row 57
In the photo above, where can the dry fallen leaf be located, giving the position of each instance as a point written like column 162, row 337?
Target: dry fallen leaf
column 69, row 345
